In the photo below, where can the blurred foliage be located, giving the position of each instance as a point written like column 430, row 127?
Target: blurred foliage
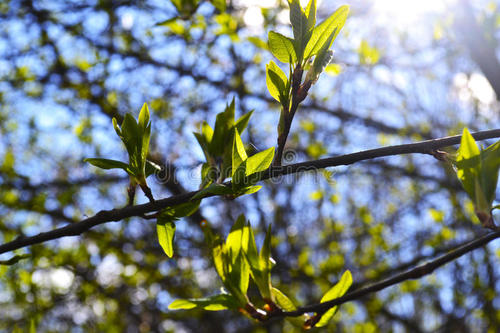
column 67, row 68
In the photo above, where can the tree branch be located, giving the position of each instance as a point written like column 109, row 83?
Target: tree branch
column 104, row 216
column 415, row 273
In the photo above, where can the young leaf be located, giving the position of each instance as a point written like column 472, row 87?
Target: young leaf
column 276, row 82
column 221, row 130
column 260, row 266
column 144, row 129
column 251, row 251
column 300, row 26
column 335, row 292
column 117, row 128
column 282, row 47
column 235, row 240
column 239, row 154
column 326, row 32
column 248, row 190
column 151, row 168
column 265, row 259
column 283, row 301
column 220, row 260
column 185, row 209
column 212, row 303
column 321, row 60
column 131, row 139
column 217, row 189
column 490, row 164
column 166, row 232
column 105, row 163
column 242, row 123
column 468, row 163
column 238, row 181
column 143, row 119
column 311, row 14
column 240, row 278
column 260, row 161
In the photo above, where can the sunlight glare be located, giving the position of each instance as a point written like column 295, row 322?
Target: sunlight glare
column 406, row 11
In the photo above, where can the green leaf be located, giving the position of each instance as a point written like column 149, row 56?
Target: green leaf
column 223, row 125
column 240, row 277
column 468, row 163
column 239, row 154
column 166, row 233
column 490, row 164
column 212, row 303
column 260, row 161
column 143, row 119
column 311, row 14
column 326, row 32
column 217, row 189
column 251, row 252
column 107, row 164
column 368, row 55
column 205, row 138
column 300, row 26
column 235, row 238
column 249, row 190
column 186, row 209
column 236, row 245
column 265, row 257
column 117, row 128
column 335, row 292
column 131, row 139
column 260, row 266
column 220, row 260
column 242, row 123
column 151, row 168
column 282, row 47
column 283, row 301
column 276, row 82
column 14, row 260
column 321, row 60
column 238, row 181
column 144, row 131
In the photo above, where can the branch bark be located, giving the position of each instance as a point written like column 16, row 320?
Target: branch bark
column 104, row 216
column 415, row 273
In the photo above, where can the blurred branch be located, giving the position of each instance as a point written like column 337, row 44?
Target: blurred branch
column 481, row 48
column 415, row 273
column 104, row 216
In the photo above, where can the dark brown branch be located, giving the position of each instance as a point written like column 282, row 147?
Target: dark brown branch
column 104, row 216
column 415, row 273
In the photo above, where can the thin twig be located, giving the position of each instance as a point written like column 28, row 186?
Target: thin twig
column 104, row 216
column 415, row 273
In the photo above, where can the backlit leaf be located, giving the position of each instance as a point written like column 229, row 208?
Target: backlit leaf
column 282, row 47
column 105, row 163
column 239, row 154
column 468, row 163
column 335, row 292
column 260, row 161
column 276, row 81
column 326, row 32
column 166, row 232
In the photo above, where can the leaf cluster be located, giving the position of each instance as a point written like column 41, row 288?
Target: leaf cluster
column 478, row 172
column 310, row 44
column 135, row 136
column 225, row 160
column 236, row 261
